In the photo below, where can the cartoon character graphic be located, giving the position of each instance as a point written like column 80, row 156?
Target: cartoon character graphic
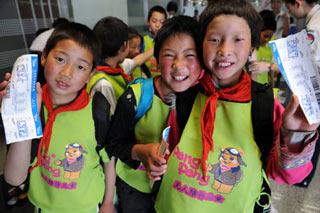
column 73, row 161
column 227, row 173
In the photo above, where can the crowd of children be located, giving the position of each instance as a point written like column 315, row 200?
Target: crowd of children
column 100, row 147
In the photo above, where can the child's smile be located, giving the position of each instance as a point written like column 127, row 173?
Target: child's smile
column 226, row 48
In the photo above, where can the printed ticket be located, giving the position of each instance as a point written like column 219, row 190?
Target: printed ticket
column 19, row 108
column 294, row 60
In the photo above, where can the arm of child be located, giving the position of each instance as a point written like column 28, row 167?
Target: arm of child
column 120, row 138
column 110, row 181
column 293, row 147
column 143, row 57
column 148, row 154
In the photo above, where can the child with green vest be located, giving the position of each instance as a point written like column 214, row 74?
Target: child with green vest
column 177, row 54
column 134, row 64
column 224, row 156
column 109, row 78
column 156, row 16
column 261, row 67
column 66, row 175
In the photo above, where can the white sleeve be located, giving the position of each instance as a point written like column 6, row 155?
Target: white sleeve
column 106, row 89
column 128, row 65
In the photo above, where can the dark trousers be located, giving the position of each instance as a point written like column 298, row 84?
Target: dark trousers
column 131, row 200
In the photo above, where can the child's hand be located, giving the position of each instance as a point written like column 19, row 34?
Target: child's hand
column 259, row 67
column 107, row 207
column 154, row 163
column 39, row 95
column 294, row 119
column 4, row 84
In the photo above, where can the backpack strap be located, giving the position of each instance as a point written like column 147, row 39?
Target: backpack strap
column 146, row 98
column 262, row 118
column 101, row 118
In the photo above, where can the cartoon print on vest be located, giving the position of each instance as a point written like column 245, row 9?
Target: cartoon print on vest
column 227, row 173
column 73, row 161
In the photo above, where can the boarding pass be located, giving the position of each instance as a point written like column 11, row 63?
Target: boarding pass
column 293, row 56
column 19, row 108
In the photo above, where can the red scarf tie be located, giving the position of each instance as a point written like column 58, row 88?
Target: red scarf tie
column 241, row 92
column 114, row 71
column 80, row 102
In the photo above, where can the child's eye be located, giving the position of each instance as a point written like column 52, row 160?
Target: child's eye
column 214, row 40
column 59, row 59
column 82, row 68
column 189, row 55
column 239, row 39
column 168, row 55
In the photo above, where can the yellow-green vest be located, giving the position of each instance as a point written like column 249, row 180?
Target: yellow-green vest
column 228, row 187
column 147, row 130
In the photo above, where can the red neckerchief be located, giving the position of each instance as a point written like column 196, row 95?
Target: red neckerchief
column 80, row 102
column 241, row 92
column 114, row 71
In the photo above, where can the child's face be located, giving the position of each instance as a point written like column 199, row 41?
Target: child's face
column 226, row 48
column 276, row 6
column 265, row 36
column 179, row 64
column 134, row 47
column 155, row 22
column 67, row 69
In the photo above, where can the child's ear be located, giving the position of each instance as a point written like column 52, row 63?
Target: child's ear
column 43, row 59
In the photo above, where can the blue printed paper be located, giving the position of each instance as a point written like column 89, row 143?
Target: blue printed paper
column 19, row 108
column 293, row 57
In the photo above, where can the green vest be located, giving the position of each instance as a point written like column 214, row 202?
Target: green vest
column 147, row 130
column 118, row 83
column 63, row 183
column 152, row 62
column 264, row 53
column 234, row 169
column 137, row 73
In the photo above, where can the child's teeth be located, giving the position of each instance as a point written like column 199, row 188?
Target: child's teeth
column 224, row 64
column 179, row 78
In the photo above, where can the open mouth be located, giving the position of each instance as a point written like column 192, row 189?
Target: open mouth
column 180, row 78
column 62, row 84
column 224, row 64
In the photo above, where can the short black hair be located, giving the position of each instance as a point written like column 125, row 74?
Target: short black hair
column 172, row 6
column 59, row 21
column 79, row 33
column 158, row 9
column 132, row 32
column 112, row 33
column 294, row 1
column 269, row 20
column 240, row 8
column 174, row 26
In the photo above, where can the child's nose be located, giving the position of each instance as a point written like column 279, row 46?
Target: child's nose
column 67, row 71
column 225, row 49
column 178, row 64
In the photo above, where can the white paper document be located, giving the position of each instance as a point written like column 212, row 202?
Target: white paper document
column 294, row 59
column 19, row 106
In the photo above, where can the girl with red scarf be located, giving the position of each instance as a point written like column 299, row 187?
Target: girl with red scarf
column 66, row 175
column 217, row 165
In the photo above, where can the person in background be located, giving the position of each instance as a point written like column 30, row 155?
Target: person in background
column 156, row 16
column 172, row 9
column 282, row 19
column 261, row 66
column 109, row 78
column 134, row 64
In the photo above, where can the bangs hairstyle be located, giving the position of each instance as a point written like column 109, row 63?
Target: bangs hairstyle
column 112, row 33
column 174, row 26
column 78, row 33
column 240, row 8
